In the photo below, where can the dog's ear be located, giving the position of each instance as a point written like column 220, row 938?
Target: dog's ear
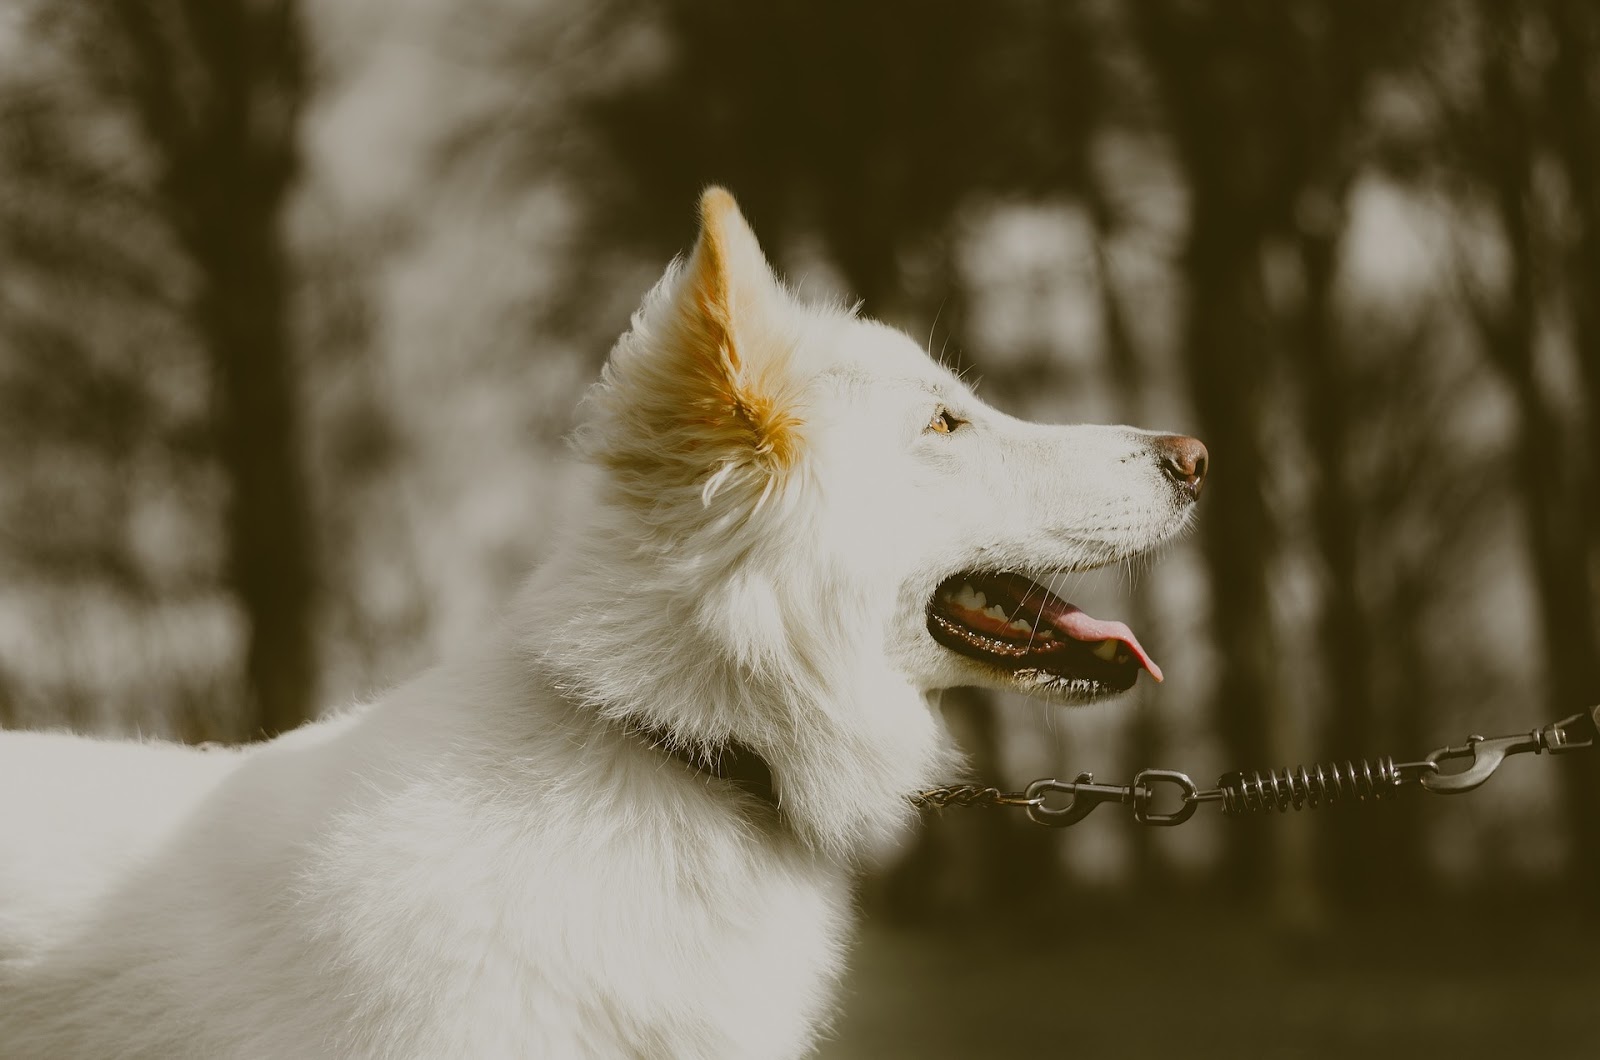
column 730, row 279
column 700, row 391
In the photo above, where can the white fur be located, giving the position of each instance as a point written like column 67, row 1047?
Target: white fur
column 488, row 862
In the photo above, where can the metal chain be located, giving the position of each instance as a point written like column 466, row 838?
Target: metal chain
column 967, row 795
column 1303, row 787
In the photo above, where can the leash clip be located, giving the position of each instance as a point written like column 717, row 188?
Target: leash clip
column 1487, row 754
column 1086, row 795
column 1576, row 733
column 1573, row 733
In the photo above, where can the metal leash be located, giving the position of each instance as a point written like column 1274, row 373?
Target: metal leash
column 1301, row 788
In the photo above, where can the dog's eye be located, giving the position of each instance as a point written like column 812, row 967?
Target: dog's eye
column 944, row 421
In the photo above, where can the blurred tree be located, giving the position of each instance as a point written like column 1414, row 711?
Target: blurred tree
column 1572, row 102
column 1266, row 104
column 869, row 126
column 1419, row 516
column 98, row 420
column 1555, row 491
column 216, row 88
column 1249, row 104
column 73, row 249
column 157, row 145
column 1213, row 74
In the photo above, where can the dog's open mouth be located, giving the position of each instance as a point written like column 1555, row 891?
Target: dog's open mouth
column 1018, row 625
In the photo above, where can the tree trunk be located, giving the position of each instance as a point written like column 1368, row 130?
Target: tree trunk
column 1571, row 99
column 1210, row 89
column 218, row 86
column 1545, row 474
column 242, row 314
column 1351, row 730
column 1226, row 356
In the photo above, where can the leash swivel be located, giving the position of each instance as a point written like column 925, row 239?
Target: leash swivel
column 1242, row 793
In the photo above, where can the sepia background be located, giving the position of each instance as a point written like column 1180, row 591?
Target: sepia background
column 296, row 302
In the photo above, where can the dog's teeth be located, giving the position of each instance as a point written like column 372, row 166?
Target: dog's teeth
column 996, row 612
column 1020, row 626
column 1107, row 650
column 969, row 599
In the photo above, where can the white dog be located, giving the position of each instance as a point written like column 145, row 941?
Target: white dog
column 625, row 825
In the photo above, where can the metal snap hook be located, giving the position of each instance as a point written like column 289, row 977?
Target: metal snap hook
column 1086, row 795
column 1487, row 756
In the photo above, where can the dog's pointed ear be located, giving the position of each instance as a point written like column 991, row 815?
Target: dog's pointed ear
column 700, row 392
column 728, row 275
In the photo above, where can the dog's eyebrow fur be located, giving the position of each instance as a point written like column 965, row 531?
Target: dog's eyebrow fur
column 852, row 375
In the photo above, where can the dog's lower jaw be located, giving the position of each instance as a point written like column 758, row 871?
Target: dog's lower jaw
column 1066, row 691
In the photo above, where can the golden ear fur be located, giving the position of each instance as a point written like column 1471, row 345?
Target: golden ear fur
column 731, row 289
column 703, row 381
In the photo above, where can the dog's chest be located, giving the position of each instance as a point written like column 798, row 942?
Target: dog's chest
column 676, row 937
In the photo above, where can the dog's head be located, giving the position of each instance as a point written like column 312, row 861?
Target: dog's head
column 839, row 499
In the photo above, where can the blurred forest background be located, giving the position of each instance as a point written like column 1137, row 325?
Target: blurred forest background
column 296, row 302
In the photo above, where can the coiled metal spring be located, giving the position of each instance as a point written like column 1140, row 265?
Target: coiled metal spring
column 1300, row 788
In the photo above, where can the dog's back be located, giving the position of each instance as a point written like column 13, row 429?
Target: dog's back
column 77, row 815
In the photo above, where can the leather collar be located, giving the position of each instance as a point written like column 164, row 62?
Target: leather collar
column 733, row 763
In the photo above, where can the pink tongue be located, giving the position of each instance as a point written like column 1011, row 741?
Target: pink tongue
column 1069, row 619
column 1080, row 625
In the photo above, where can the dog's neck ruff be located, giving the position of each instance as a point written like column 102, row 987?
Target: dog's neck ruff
column 731, row 762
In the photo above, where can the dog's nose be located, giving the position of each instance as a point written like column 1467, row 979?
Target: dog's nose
column 1183, row 460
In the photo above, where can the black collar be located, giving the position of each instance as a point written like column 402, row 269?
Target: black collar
column 731, row 762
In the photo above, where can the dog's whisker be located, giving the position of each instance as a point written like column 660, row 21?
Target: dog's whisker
column 928, row 345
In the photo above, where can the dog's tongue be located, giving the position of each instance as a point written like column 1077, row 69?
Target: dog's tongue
column 1080, row 625
column 1073, row 621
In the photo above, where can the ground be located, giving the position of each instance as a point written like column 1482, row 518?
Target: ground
column 1516, row 983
